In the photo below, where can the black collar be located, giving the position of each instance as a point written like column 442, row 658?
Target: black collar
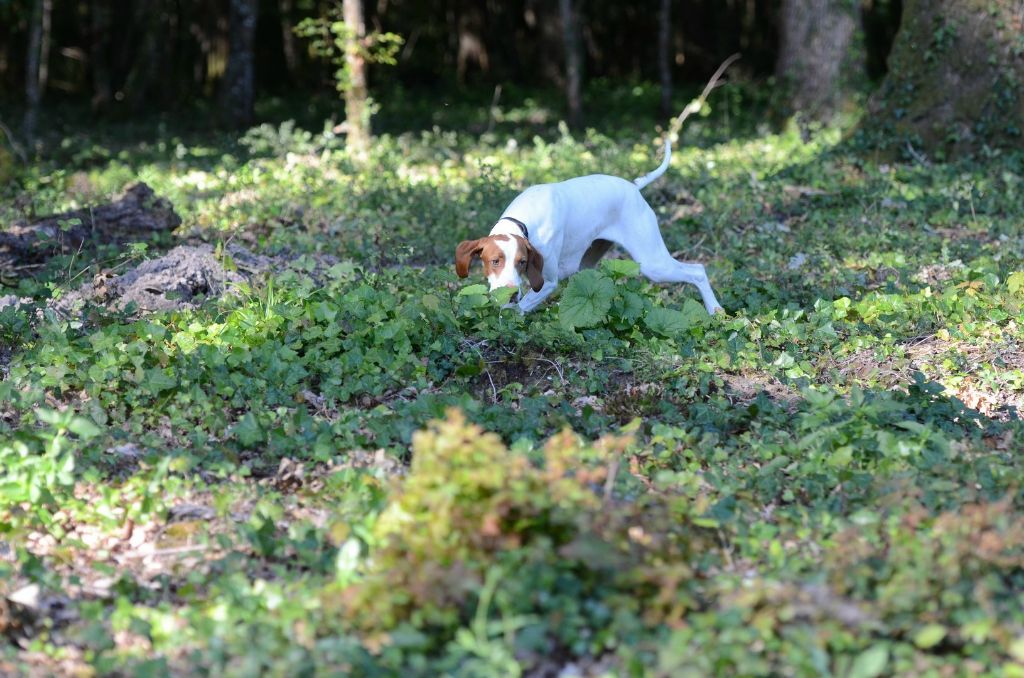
column 521, row 225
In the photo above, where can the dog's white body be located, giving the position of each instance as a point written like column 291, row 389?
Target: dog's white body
column 572, row 223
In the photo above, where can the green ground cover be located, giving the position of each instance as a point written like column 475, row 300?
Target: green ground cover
column 358, row 464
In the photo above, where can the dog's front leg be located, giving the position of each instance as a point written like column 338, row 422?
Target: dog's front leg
column 531, row 299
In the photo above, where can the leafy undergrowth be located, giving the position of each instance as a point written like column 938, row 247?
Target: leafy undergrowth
column 360, row 464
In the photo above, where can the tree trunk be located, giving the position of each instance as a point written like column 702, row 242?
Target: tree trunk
column 37, row 65
column 240, row 76
column 820, row 58
column 357, row 106
column 291, row 55
column 956, row 77
column 573, row 59
column 665, row 55
column 99, row 54
column 140, row 83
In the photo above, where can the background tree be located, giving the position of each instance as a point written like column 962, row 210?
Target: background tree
column 342, row 39
column 665, row 55
column 99, row 53
column 37, row 64
column 240, row 78
column 956, row 77
column 820, row 54
column 357, row 106
column 570, row 13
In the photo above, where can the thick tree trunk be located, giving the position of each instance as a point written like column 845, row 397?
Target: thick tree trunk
column 665, row 55
column 37, row 65
column 820, row 57
column 573, row 59
column 956, row 77
column 240, row 76
column 357, row 107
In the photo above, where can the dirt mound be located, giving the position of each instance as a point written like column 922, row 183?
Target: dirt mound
column 137, row 215
column 182, row 278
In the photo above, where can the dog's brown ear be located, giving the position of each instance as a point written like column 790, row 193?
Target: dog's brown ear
column 534, row 267
column 464, row 254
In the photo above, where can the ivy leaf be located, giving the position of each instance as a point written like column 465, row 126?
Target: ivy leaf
column 157, row 380
column 586, row 300
column 248, row 431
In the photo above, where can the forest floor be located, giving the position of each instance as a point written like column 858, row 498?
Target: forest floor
column 265, row 451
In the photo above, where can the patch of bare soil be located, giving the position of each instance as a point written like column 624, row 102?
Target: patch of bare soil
column 922, row 355
column 743, row 389
column 182, row 278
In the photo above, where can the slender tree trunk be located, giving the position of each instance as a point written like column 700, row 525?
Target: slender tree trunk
column 573, row 59
column 665, row 55
column 240, row 76
column 139, row 83
column 357, row 106
column 819, row 58
column 37, row 65
column 291, row 55
column 99, row 54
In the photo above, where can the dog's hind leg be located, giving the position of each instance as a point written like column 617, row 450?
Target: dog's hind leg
column 597, row 249
column 646, row 247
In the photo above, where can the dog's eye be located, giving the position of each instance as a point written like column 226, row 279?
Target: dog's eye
column 522, row 262
column 495, row 262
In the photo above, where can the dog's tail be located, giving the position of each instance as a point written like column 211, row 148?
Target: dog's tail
column 641, row 182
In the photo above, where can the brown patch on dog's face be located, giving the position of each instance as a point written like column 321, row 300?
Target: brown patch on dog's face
column 507, row 260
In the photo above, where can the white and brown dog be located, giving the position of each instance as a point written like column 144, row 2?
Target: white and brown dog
column 551, row 231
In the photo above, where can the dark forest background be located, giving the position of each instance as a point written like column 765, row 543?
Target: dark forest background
column 123, row 57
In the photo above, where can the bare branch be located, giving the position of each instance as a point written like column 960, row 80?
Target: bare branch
column 698, row 103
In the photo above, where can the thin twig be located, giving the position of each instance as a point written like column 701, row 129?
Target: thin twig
column 494, row 389
column 558, row 369
column 491, row 116
column 916, row 155
column 160, row 553
column 698, row 103
column 15, row 146
column 609, row 483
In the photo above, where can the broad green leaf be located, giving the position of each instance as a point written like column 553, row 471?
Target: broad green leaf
column 84, row 428
column 1015, row 282
column 667, row 321
column 586, row 300
column 929, row 636
column 629, row 307
column 621, row 268
column 503, row 295
column 784, row 361
column 472, row 290
column 870, row 663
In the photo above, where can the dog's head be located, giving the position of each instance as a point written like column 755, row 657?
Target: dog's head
column 507, row 258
